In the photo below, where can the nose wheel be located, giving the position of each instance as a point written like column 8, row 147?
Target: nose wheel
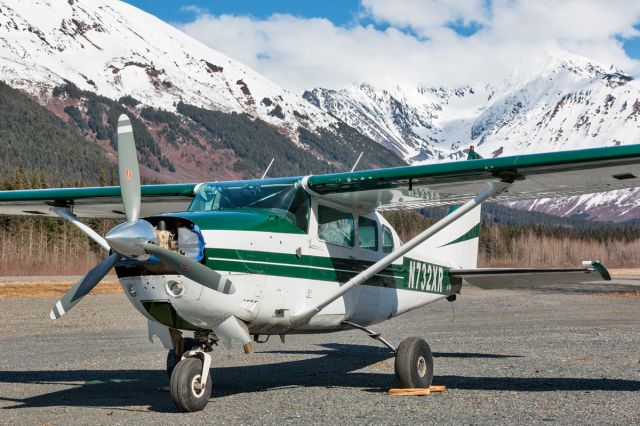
column 414, row 364
column 190, row 383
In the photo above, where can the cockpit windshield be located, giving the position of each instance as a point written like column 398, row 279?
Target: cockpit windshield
column 285, row 197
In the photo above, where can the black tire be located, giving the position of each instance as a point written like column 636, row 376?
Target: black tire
column 172, row 360
column 414, row 364
column 184, row 395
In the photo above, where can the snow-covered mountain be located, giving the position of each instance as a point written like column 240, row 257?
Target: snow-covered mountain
column 133, row 61
column 115, row 49
column 571, row 103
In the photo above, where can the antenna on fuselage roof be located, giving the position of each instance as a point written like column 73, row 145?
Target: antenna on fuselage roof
column 264, row 175
column 357, row 161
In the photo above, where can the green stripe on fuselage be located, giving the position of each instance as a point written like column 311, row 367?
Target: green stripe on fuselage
column 327, row 269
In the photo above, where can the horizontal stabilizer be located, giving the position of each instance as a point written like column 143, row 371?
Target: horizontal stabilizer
column 498, row 278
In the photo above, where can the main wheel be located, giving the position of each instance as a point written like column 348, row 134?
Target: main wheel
column 414, row 363
column 186, row 393
column 173, row 360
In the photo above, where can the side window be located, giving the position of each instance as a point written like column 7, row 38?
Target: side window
column 367, row 233
column 387, row 240
column 335, row 226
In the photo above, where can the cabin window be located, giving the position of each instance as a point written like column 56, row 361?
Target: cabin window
column 387, row 240
column 335, row 226
column 368, row 233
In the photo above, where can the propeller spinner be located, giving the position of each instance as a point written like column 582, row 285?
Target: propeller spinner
column 135, row 238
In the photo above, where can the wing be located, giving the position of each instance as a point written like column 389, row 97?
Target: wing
column 534, row 176
column 98, row 202
column 497, row 278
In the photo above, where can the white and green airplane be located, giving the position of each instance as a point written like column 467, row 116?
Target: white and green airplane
column 234, row 261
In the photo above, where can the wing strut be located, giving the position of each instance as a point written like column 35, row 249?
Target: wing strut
column 304, row 314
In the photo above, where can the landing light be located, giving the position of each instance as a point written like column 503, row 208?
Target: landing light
column 174, row 288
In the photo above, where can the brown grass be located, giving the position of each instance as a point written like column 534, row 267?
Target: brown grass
column 624, row 294
column 47, row 288
column 624, row 272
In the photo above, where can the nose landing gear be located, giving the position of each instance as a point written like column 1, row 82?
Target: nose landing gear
column 190, row 382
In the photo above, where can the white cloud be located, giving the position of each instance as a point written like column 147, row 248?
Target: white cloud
column 426, row 16
column 193, row 8
column 514, row 36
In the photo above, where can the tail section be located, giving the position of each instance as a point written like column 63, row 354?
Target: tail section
column 458, row 243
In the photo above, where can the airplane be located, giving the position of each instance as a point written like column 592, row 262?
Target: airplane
column 239, row 261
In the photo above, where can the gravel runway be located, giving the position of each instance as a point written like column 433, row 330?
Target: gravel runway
column 554, row 355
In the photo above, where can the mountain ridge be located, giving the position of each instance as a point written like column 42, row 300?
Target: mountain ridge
column 86, row 59
column 570, row 103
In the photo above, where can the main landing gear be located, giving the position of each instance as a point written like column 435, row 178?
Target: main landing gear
column 414, row 361
column 188, row 367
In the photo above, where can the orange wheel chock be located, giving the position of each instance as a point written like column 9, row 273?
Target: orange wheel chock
column 416, row 391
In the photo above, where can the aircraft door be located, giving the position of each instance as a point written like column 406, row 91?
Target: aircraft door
column 252, row 278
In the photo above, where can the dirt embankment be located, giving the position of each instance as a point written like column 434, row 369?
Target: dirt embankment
column 41, row 286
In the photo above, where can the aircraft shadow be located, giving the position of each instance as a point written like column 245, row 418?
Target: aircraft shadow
column 336, row 366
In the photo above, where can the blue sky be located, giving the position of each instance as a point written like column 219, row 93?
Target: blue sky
column 338, row 11
column 632, row 45
column 306, row 43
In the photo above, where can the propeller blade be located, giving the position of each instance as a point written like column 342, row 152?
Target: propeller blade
column 128, row 169
column 191, row 269
column 65, row 213
column 83, row 287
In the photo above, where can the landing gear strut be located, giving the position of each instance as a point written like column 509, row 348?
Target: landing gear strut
column 372, row 334
column 180, row 346
column 190, row 383
column 414, row 363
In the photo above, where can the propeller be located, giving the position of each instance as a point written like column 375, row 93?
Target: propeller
column 135, row 238
column 191, row 269
column 84, row 286
column 128, row 170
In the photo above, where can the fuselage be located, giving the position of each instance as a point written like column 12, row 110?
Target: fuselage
column 283, row 250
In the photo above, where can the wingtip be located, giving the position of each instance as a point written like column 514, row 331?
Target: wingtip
column 53, row 315
column 123, row 117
